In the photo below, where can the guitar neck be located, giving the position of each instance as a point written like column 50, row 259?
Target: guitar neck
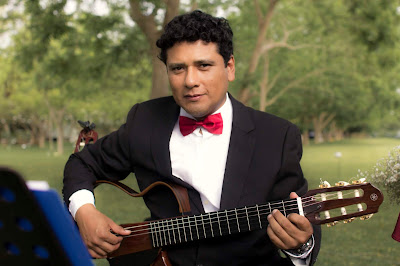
column 213, row 224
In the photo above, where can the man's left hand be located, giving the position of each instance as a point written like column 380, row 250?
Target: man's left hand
column 288, row 232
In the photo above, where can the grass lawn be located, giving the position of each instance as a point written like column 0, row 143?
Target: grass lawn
column 359, row 243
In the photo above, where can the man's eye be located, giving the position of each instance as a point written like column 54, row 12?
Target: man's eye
column 177, row 69
column 204, row 65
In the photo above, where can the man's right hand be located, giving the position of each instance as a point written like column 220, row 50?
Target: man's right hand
column 95, row 230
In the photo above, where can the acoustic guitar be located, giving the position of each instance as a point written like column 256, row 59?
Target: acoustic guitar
column 326, row 205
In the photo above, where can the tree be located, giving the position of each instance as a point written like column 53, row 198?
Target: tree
column 278, row 29
column 353, row 94
column 145, row 14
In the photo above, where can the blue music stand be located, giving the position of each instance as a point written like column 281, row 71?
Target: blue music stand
column 35, row 226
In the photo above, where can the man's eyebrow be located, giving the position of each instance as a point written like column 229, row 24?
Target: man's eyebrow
column 174, row 65
column 205, row 61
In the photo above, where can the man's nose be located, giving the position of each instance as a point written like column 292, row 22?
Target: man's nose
column 192, row 78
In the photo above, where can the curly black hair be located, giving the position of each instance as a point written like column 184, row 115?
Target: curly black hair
column 195, row 26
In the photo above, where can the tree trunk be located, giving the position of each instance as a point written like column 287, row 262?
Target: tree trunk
column 318, row 137
column 5, row 137
column 60, row 137
column 305, row 137
column 159, row 83
column 264, row 22
column 59, row 123
column 41, row 134
column 50, row 129
column 320, row 122
column 264, row 84
column 150, row 28
column 337, row 133
column 34, row 133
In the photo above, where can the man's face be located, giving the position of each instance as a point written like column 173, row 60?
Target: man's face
column 198, row 77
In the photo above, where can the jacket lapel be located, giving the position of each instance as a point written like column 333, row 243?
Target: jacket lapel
column 163, row 124
column 240, row 152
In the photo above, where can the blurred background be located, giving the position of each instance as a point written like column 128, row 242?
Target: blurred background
column 331, row 67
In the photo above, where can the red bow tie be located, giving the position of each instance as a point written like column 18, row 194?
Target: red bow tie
column 213, row 124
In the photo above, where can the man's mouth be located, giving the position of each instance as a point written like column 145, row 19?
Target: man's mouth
column 193, row 97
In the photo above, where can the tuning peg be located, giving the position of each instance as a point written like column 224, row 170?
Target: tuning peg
column 331, row 224
column 366, row 217
column 324, row 184
column 341, row 184
column 347, row 221
column 359, row 181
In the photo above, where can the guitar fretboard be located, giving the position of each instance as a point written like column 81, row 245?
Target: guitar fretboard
column 213, row 224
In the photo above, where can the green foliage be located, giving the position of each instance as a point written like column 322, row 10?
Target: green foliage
column 358, row 73
column 95, row 67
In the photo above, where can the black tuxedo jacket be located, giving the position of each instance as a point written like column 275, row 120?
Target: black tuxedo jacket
column 263, row 165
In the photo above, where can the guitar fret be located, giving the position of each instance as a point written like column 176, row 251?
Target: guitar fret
column 197, row 229
column 237, row 220
column 169, row 233
column 184, row 228
column 219, row 224
column 283, row 206
column 152, row 236
column 152, row 229
column 247, row 216
column 204, row 229
column 259, row 218
column 165, row 235
column 269, row 204
column 159, row 232
column 227, row 220
column 172, row 229
column 178, row 230
column 212, row 231
column 190, row 229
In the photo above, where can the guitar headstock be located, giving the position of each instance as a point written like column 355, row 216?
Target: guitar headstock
column 328, row 205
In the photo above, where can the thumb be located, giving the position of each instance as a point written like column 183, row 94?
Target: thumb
column 293, row 195
column 119, row 229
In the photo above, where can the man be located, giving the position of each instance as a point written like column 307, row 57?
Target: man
column 248, row 158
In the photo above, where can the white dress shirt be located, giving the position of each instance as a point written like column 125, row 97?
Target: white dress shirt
column 199, row 158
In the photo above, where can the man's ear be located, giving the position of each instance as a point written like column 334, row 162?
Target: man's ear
column 230, row 67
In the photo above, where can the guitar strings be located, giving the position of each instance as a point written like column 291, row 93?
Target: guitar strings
column 310, row 199
column 305, row 200
column 162, row 226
